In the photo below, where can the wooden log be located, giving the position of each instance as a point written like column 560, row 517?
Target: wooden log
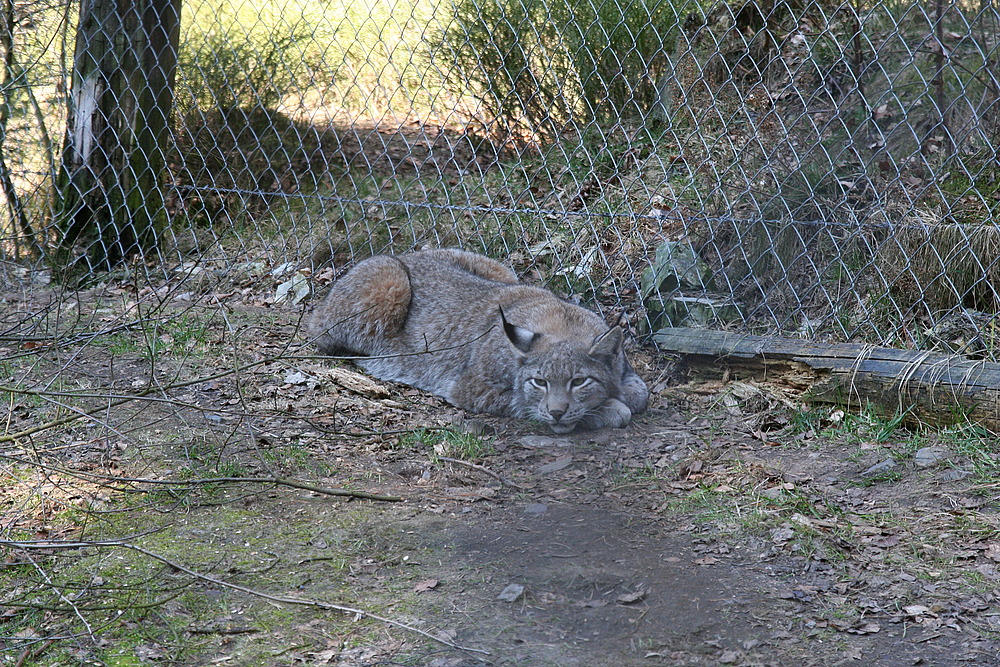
column 930, row 387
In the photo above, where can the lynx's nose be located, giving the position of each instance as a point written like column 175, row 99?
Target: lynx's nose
column 557, row 404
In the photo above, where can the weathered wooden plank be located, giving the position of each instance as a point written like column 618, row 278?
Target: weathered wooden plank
column 929, row 386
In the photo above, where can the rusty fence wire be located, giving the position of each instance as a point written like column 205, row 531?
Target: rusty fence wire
column 816, row 169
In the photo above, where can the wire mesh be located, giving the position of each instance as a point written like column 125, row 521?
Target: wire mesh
column 819, row 169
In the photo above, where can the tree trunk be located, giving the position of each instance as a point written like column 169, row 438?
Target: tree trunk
column 26, row 235
column 109, row 197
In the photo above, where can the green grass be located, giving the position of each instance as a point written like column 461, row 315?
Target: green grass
column 641, row 475
column 449, row 443
column 864, row 426
column 884, row 477
column 187, row 334
column 373, row 54
column 866, row 431
column 138, row 603
column 293, row 454
column 980, row 447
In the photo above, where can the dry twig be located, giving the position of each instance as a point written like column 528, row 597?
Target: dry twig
column 353, row 611
column 475, row 466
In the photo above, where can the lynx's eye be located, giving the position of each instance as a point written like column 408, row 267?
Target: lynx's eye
column 578, row 382
column 538, row 383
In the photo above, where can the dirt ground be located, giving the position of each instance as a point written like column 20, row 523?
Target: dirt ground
column 628, row 556
column 729, row 525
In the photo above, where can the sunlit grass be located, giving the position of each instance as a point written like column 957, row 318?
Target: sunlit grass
column 353, row 58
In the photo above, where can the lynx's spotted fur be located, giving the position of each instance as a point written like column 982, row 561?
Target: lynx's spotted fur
column 461, row 326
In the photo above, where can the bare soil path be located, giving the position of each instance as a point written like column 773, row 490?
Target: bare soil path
column 616, row 571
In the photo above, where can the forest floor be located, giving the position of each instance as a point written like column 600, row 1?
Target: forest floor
column 185, row 518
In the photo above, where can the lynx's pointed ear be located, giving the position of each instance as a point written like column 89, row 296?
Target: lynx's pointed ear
column 608, row 344
column 522, row 339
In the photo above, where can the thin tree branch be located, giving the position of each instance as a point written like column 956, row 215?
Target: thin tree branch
column 278, row 481
column 475, row 466
column 353, row 611
column 102, row 480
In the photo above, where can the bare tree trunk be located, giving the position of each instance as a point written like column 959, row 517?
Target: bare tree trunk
column 6, row 183
column 108, row 195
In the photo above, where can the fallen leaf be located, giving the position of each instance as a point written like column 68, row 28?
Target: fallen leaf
column 866, row 629
column 326, row 656
column 692, row 468
column 629, row 598
column 783, row 534
column 295, row 377
column 763, row 437
column 887, row 541
column 595, row 604
column 447, row 634
column 147, row 653
column 292, row 291
column 426, row 585
column 916, row 610
column 555, row 466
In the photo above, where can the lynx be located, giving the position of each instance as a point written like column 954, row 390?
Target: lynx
column 462, row 326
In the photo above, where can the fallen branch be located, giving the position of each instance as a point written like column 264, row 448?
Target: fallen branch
column 353, row 611
column 33, row 652
column 364, row 495
column 484, row 470
column 103, row 479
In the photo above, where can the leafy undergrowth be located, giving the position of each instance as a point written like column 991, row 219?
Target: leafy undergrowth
column 183, row 484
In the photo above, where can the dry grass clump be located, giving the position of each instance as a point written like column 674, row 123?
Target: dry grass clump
column 945, row 264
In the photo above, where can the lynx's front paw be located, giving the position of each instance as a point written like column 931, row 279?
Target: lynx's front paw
column 613, row 413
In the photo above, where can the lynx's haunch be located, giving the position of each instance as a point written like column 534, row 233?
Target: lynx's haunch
column 461, row 326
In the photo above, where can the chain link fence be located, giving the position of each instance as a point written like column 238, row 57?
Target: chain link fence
column 816, row 169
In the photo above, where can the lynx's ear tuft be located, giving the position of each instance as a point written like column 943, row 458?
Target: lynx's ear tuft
column 522, row 339
column 608, row 344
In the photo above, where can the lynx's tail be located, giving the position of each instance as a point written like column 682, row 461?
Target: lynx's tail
column 369, row 303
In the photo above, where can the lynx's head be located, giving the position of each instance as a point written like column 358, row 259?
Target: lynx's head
column 561, row 382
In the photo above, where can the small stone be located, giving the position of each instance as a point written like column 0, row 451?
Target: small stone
column 928, row 456
column 536, row 441
column 954, row 475
column 555, row 466
column 536, row 508
column 880, row 468
column 511, row 593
